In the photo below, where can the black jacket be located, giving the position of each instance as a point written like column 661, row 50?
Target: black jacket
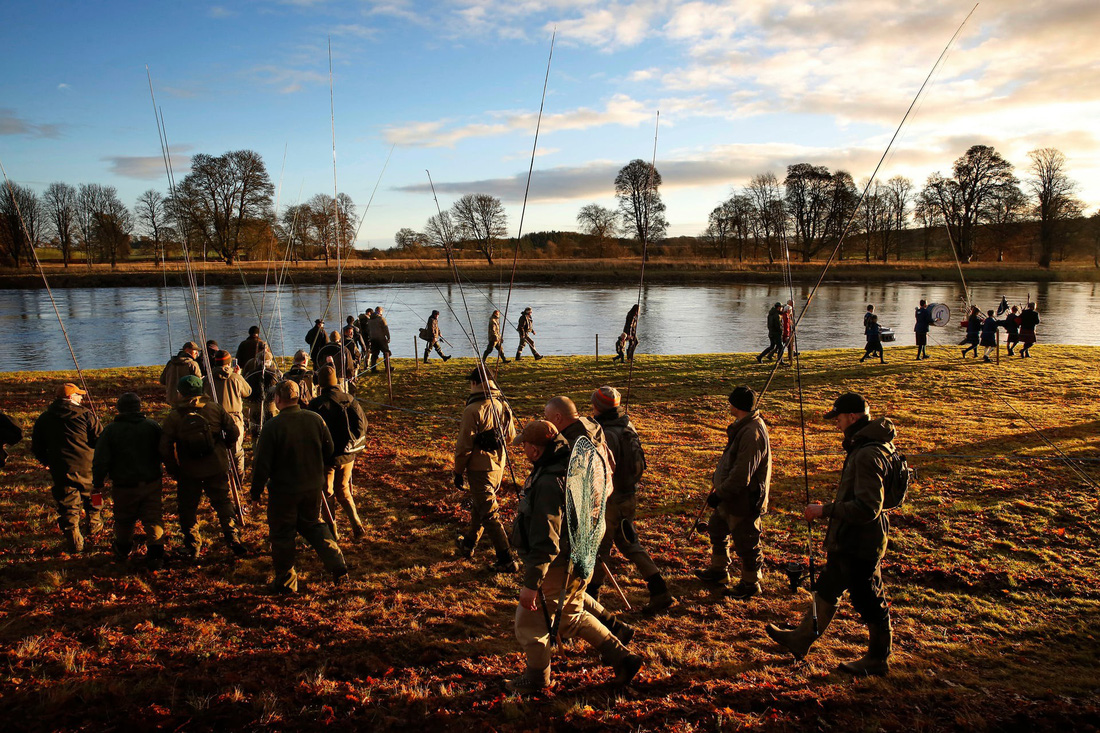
column 64, row 439
column 626, row 449
column 128, row 451
column 10, row 434
column 344, row 417
column 1029, row 320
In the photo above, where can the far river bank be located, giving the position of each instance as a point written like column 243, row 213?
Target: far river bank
column 575, row 271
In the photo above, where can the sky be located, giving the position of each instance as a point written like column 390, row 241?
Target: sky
column 454, row 87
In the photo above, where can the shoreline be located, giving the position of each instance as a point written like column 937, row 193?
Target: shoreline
column 625, row 271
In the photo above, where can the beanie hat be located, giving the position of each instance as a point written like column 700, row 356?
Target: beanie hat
column 743, row 398
column 605, row 398
column 189, row 386
column 129, row 402
column 222, row 358
column 326, row 376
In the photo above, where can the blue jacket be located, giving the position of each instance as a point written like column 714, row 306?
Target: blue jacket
column 924, row 320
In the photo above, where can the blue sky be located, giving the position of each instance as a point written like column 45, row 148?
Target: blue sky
column 742, row 88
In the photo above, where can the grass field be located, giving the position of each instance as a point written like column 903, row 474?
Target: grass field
column 991, row 572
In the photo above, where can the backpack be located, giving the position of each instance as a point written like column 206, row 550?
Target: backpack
column 354, row 438
column 196, row 437
column 899, row 475
column 425, row 334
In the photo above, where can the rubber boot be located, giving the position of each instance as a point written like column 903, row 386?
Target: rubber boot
column 799, row 640
column 625, row 664
column 121, row 552
column 530, row 682
column 74, row 541
column 623, row 632
column 426, row 356
column 660, row 599
column 154, row 557
column 876, row 661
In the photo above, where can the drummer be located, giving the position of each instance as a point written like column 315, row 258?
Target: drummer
column 924, row 320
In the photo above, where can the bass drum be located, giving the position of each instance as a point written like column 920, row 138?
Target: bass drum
column 941, row 314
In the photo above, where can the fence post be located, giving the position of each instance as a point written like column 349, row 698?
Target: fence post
column 416, row 360
column 597, row 348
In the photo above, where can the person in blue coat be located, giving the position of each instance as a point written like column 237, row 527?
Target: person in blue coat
column 923, row 322
column 989, row 335
column 973, row 330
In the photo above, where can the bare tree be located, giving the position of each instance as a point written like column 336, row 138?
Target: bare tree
column 1055, row 203
column 60, row 203
column 112, row 226
column 1007, row 208
column 872, row 218
column 820, row 205
column 928, row 214
column 770, row 215
column 965, row 199
column 220, row 195
column 600, row 222
column 643, row 212
column 24, row 216
column 151, row 213
column 407, row 239
column 480, row 218
column 91, row 199
column 899, row 194
column 439, row 232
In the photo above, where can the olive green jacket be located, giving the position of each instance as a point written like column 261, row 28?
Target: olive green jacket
column 480, row 417
column 225, row 433
column 293, row 453
column 744, row 472
column 537, row 533
column 857, row 524
column 128, row 452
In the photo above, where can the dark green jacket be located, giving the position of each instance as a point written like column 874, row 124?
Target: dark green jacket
column 626, row 450
column 64, row 439
column 537, row 532
column 857, row 524
column 744, row 472
column 293, row 453
column 343, row 416
column 225, row 433
column 128, row 451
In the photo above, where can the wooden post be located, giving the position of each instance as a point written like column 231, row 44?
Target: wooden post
column 416, row 360
column 389, row 377
column 998, row 337
column 597, row 348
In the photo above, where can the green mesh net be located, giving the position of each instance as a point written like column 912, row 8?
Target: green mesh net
column 587, row 486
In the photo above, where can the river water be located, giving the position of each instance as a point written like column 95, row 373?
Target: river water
column 111, row 327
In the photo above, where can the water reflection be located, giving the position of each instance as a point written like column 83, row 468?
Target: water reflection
column 122, row 326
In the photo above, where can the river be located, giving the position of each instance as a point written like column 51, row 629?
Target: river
column 112, row 327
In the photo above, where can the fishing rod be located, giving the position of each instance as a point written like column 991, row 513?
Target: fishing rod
column 646, row 199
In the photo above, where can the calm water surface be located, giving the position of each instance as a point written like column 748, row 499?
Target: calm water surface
column 112, row 327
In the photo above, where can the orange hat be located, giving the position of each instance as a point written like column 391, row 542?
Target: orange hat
column 536, row 432
column 69, row 389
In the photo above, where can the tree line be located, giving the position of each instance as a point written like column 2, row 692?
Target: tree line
column 223, row 209
column 809, row 212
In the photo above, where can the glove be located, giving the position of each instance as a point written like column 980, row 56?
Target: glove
column 714, row 500
column 460, row 483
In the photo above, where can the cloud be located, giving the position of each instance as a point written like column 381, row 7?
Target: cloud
column 12, row 124
column 288, row 80
column 619, row 110
column 354, row 30
column 63, row 87
column 149, row 167
column 218, row 11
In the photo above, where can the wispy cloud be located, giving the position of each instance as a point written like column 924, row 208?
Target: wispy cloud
column 63, row 87
column 354, row 30
column 149, row 167
column 219, row 11
column 12, row 124
column 288, row 80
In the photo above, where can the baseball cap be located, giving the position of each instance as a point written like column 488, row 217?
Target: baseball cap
column 536, row 432
column 849, row 402
column 69, row 389
column 189, row 386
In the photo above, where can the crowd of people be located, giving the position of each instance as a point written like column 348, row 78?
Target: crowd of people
column 307, row 429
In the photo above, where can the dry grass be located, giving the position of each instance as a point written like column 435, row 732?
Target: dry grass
column 991, row 573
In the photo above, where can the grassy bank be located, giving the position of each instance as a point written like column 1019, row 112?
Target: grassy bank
column 991, row 572
column 621, row 271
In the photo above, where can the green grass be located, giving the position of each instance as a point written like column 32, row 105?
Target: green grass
column 991, row 571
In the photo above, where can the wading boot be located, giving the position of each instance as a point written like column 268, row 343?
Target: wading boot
column 74, row 541
column 505, row 565
column 660, row 599
column 447, row 358
column 357, row 531
column 462, row 549
column 121, row 552
column 718, row 576
column 875, row 661
column 625, row 664
column 623, row 632
column 744, row 591
column 154, row 557
column 799, row 640
column 531, row 682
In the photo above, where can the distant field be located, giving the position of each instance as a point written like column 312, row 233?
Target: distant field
column 658, row 269
column 991, row 572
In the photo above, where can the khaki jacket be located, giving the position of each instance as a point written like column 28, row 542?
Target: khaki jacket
column 378, row 329
column 537, row 533
column 292, row 454
column 180, row 366
column 230, row 389
column 225, row 432
column 494, row 330
column 480, row 418
column 857, row 524
column 744, row 472
column 628, row 456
